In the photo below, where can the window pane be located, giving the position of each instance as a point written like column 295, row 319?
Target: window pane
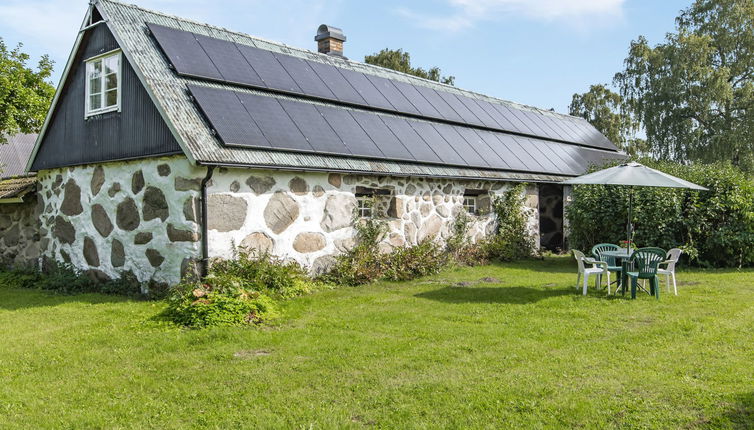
column 97, row 67
column 111, row 81
column 111, row 98
column 94, row 102
column 95, row 86
column 111, row 64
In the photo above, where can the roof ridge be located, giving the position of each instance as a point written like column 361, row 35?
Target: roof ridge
column 346, row 60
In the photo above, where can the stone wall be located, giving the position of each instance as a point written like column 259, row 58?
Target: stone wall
column 308, row 217
column 19, row 233
column 140, row 216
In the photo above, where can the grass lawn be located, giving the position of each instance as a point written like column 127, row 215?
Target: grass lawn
column 523, row 351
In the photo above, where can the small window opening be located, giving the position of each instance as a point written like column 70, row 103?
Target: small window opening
column 103, row 84
column 372, row 202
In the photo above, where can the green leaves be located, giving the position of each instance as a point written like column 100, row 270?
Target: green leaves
column 399, row 60
column 694, row 93
column 24, row 94
column 716, row 227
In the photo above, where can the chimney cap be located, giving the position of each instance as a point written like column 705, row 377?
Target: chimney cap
column 329, row 32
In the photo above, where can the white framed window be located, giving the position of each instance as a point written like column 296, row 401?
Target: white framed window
column 364, row 203
column 470, row 204
column 103, row 78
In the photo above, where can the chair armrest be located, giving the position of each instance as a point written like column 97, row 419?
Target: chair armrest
column 666, row 262
column 596, row 263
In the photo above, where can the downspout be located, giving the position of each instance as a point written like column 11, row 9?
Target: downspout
column 205, row 239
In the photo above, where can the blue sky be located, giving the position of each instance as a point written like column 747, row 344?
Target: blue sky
column 536, row 52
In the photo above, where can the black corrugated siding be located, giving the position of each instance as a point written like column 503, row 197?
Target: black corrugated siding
column 136, row 131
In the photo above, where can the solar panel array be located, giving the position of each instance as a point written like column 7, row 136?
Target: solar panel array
column 246, row 119
column 205, row 57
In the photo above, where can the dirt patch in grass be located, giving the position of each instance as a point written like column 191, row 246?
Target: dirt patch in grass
column 251, row 353
column 490, row 280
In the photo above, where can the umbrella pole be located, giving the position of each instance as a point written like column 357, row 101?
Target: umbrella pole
column 630, row 206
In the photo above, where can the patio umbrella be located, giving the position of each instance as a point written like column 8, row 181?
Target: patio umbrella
column 632, row 175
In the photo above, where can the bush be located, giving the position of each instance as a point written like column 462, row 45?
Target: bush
column 364, row 263
column 221, row 301
column 716, row 228
column 65, row 279
column 236, row 292
column 512, row 240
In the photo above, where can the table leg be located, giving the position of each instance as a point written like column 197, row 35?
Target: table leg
column 624, row 277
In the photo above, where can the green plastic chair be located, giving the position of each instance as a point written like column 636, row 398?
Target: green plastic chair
column 643, row 265
column 612, row 262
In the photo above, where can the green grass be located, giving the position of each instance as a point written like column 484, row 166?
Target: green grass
column 525, row 352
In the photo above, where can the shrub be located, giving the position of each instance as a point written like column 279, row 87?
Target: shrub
column 264, row 273
column 512, row 239
column 411, row 262
column 65, row 279
column 220, row 301
column 238, row 291
column 716, row 228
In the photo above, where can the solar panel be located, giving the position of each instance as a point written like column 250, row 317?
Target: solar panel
column 335, row 81
column 472, row 105
column 412, row 141
column 268, row 68
column 207, row 57
column 414, row 96
column 497, row 115
column 391, row 93
column 350, row 132
column 274, row 122
column 466, row 115
column 317, row 131
column 542, row 153
column 388, row 143
column 184, row 52
column 228, row 117
column 437, row 143
column 366, row 89
column 460, row 145
column 508, row 114
column 307, row 80
column 538, row 119
column 492, row 156
column 527, row 155
column 438, row 103
column 229, row 62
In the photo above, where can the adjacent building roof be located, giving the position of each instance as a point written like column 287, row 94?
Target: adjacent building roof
column 13, row 189
column 15, row 153
column 215, row 90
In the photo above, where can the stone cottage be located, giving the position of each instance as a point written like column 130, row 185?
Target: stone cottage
column 170, row 141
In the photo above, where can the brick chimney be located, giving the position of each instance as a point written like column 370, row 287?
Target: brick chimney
column 330, row 40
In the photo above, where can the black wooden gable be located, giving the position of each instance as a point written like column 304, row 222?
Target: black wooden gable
column 137, row 130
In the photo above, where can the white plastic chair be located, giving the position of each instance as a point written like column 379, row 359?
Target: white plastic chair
column 598, row 269
column 669, row 271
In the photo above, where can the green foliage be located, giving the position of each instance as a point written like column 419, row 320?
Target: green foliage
column 265, row 273
column 65, row 279
column 397, row 59
column 411, row 262
column 694, row 93
column 365, row 263
column 24, row 94
column 604, row 109
column 716, row 228
column 221, row 301
column 512, row 240
column 238, row 291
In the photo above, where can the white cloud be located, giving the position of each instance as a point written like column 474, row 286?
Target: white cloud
column 467, row 13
